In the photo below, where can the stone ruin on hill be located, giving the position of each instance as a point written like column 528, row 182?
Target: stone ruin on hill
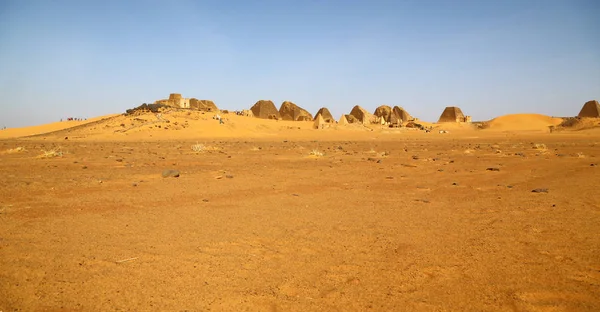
column 383, row 112
column 291, row 111
column 265, row 109
column 203, row 105
column 402, row 114
column 590, row 109
column 453, row 114
column 319, row 122
column 351, row 119
column 343, row 121
column 177, row 101
column 154, row 108
column 361, row 115
column 326, row 115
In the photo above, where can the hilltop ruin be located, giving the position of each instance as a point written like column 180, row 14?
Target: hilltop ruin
column 453, row 114
column 177, row 101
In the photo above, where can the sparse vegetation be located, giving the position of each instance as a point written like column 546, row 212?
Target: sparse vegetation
column 16, row 150
column 198, row 147
column 316, row 153
column 56, row 152
column 569, row 122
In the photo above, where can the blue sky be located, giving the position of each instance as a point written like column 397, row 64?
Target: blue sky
column 86, row 58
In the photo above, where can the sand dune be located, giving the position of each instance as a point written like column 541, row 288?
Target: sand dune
column 47, row 128
column 190, row 125
column 523, row 122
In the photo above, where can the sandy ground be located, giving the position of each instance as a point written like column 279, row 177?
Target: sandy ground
column 384, row 220
column 42, row 129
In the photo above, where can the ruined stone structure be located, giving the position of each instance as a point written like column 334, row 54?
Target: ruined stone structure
column 326, row 114
column 203, row 105
column 291, row 111
column 265, row 109
column 590, row 109
column 361, row 115
column 453, row 114
column 176, row 100
column 383, row 113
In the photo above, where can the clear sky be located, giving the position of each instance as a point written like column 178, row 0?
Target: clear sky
column 89, row 58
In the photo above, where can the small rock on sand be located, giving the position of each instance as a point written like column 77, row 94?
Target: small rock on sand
column 540, row 190
column 170, row 173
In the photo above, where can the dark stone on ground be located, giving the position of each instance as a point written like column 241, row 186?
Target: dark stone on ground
column 170, row 173
column 540, row 190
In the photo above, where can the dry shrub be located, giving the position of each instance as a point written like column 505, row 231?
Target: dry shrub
column 16, row 150
column 198, row 147
column 316, row 153
column 569, row 122
column 56, row 152
column 540, row 147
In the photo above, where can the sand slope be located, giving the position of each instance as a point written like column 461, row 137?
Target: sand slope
column 522, row 122
column 184, row 125
column 47, row 128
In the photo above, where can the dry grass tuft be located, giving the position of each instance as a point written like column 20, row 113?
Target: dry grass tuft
column 198, row 147
column 15, row 150
column 540, row 147
column 57, row 152
column 316, row 153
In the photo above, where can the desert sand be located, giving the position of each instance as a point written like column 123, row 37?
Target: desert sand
column 523, row 122
column 270, row 215
column 51, row 127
